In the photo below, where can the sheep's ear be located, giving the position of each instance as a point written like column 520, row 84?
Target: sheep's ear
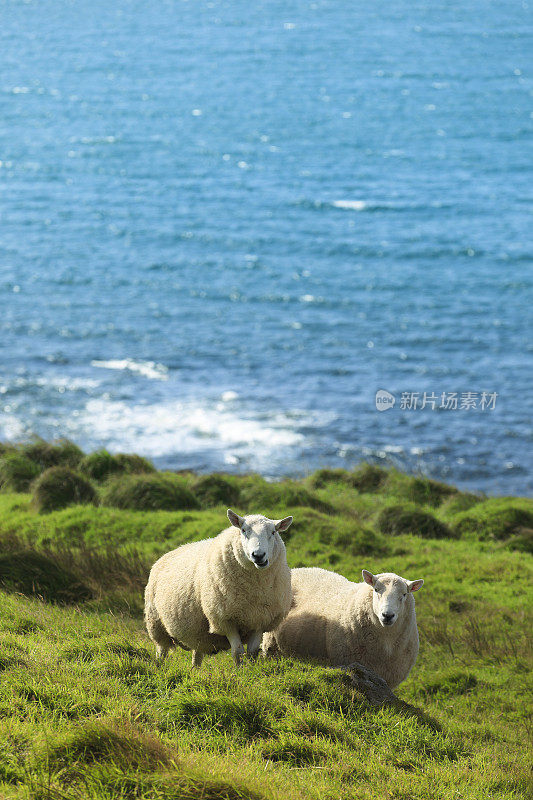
column 414, row 586
column 368, row 577
column 283, row 524
column 235, row 519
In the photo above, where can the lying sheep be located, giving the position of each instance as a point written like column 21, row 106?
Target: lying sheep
column 337, row 622
column 219, row 593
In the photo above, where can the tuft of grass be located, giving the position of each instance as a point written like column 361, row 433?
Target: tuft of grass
column 100, row 465
column 295, row 751
column 357, row 540
column 56, row 700
column 131, row 462
column 368, row 478
column 496, row 518
column 422, row 491
column 31, row 573
column 17, row 472
column 59, row 487
column 115, row 741
column 461, row 501
column 242, row 718
column 23, row 627
column 327, row 476
column 111, row 781
column 398, row 519
column 214, row 490
column 45, row 454
column 260, row 496
column 6, row 662
column 454, row 682
column 522, row 541
column 161, row 491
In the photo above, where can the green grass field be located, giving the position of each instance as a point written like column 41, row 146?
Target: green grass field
column 85, row 712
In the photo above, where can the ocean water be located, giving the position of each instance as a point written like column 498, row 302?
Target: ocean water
column 224, row 226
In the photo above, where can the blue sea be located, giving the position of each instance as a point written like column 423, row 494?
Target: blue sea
column 225, row 225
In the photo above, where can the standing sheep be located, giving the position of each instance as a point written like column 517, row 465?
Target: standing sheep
column 337, row 622
column 219, row 593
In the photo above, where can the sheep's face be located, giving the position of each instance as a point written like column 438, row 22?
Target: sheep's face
column 260, row 539
column 390, row 595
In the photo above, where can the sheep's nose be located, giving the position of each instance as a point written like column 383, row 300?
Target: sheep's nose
column 258, row 555
column 387, row 617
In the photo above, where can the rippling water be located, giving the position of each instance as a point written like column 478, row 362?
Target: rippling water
column 225, row 225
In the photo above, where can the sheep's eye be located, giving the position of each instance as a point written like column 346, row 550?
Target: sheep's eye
column 405, row 595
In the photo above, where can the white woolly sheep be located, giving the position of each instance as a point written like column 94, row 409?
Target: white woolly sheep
column 337, row 622
column 223, row 592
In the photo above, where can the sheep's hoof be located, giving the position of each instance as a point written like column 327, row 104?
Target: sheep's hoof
column 237, row 654
column 197, row 658
column 160, row 653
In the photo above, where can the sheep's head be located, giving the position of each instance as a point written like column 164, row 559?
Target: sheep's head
column 390, row 595
column 260, row 538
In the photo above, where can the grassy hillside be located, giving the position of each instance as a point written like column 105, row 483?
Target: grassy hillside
column 86, row 713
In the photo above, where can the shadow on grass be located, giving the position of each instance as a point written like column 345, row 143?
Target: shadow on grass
column 377, row 694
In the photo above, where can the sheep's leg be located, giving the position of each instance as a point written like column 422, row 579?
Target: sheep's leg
column 157, row 633
column 161, row 652
column 237, row 649
column 197, row 658
column 254, row 643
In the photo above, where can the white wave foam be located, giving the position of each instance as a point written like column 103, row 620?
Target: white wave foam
column 149, row 369
column 351, row 205
column 11, row 428
column 228, row 396
column 67, row 384
column 184, row 427
column 59, row 382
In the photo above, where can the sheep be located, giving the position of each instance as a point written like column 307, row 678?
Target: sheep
column 222, row 592
column 337, row 622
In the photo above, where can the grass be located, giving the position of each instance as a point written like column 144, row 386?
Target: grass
column 148, row 492
column 100, row 465
column 17, row 472
column 58, row 487
column 85, row 712
column 63, row 453
column 31, row 573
